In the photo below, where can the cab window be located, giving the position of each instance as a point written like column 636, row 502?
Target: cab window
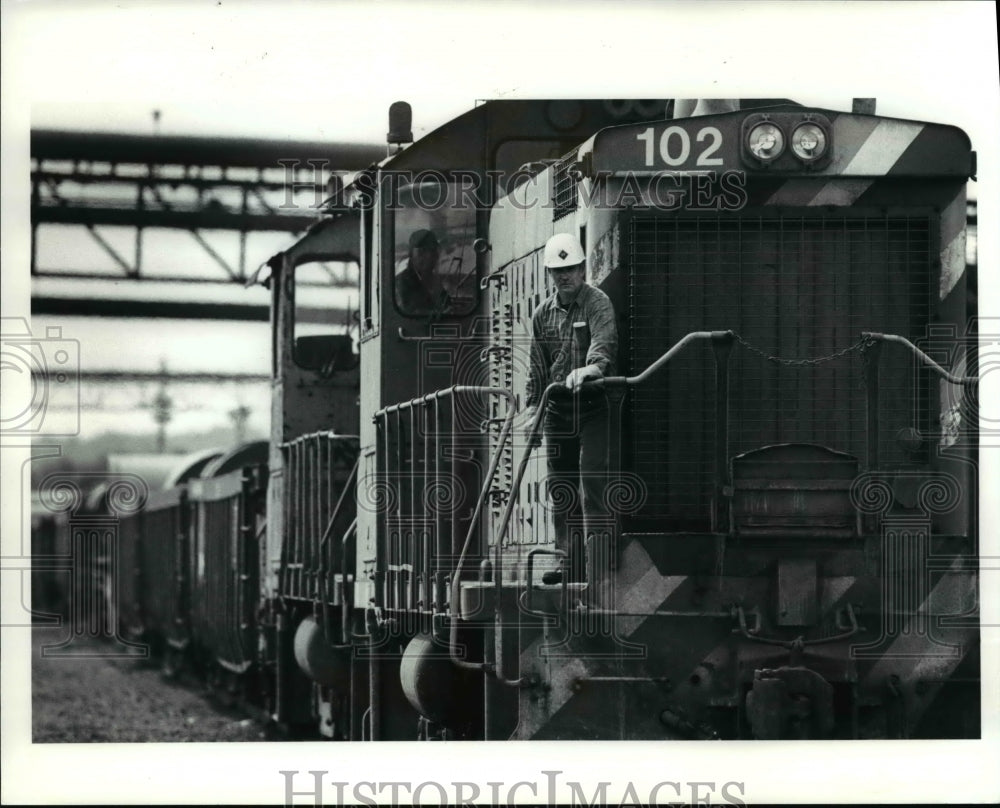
column 326, row 316
column 434, row 265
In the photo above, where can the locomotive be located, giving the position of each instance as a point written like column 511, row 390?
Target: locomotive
column 792, row 548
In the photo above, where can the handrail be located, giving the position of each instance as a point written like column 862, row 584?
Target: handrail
column 951, row 377
column 533, row 432
column 303, row 456
column 348, row 486
column 629, row 381
column 322, row 433
column 447, row 391
column 345, row 606
column 484, row 492
column 327, row 595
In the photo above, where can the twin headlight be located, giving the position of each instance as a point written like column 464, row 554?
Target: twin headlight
column 766, row 142
column 765, row 138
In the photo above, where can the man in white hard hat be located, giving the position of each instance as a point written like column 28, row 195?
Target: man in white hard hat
column 574, row 339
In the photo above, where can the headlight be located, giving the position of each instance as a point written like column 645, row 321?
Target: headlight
column 766, row 141
column 808, row 142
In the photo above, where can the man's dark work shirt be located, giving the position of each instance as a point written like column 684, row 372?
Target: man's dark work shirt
column 555, row 351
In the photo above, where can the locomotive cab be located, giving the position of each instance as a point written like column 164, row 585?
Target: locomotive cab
column 429, row 403
column 312, row 455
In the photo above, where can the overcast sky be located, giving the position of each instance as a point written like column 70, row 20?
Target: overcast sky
column 328, row 71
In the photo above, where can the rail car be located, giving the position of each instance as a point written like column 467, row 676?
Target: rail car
column 169, row 571
column 792, row 550
column 87, row 552
column 49, row 543
column 188, row 584
column 153, row 543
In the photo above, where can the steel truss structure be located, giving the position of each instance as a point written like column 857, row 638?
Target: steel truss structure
column 199, row 185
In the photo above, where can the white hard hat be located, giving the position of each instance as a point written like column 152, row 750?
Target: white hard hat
column 563, row 250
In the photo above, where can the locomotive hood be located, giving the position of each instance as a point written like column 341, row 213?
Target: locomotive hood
column 840, row 144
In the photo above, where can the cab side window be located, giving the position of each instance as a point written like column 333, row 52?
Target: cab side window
column 434, row 265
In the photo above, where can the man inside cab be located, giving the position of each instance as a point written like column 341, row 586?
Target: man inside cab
column 418, row 288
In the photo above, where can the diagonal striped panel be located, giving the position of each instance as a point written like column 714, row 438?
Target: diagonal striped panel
column 812, row 192
column 641, row 588
column 921, row 673
column 952, row 243
column 880, row 145
column 840, row 192
column 938, row 150
column 881, row 149
column 850, row 133
column 610, row 710
column 795, row 193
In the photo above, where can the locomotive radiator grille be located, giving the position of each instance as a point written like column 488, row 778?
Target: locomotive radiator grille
column 564, row 195
column 794, row 288
column 511, row 307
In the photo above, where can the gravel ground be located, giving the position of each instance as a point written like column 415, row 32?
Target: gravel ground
column 120, row 701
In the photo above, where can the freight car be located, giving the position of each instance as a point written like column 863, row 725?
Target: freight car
column 88, row 565
column 165, row 570
column 191, row 591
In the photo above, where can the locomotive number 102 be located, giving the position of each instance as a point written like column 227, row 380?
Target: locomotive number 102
column 675, row 146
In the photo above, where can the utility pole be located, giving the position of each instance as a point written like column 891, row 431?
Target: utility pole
column 162, row 407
